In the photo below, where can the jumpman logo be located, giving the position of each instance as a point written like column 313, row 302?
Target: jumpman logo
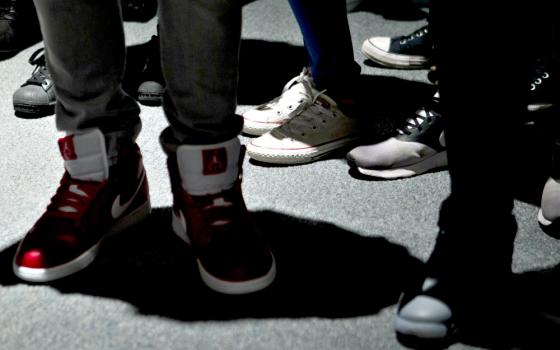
column 214, row 161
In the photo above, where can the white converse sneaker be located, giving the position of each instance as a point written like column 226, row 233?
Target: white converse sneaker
column 317, row 129
column 413, row 51
column 297, row 92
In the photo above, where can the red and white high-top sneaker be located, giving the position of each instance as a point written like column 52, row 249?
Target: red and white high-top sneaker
column 210, row 214
column 98, row 195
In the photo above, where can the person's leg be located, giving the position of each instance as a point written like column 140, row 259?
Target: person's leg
column 104, row 188
column 471, row 261
column 326, row 35
column 199, row 46
column 200, row 53
column 85, row 52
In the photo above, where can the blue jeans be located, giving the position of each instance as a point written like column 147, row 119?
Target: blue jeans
column 199, row 46
column 326, row 35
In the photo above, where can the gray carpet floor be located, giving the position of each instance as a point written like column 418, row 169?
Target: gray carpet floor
column 344, row 245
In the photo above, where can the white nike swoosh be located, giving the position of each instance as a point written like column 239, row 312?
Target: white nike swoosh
column 179, row 225
column 117, row 209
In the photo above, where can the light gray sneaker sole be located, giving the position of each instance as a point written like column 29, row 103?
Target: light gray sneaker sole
column 434, row 162
column 297, row 156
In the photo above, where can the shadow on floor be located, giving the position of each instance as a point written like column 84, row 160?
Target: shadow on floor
column 534, row 157
column 323, row 271
column 533, row 316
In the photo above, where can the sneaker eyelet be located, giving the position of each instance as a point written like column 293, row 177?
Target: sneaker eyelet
column 538, row 81
column 533, row 87
column 545, row 75
column 402, row 41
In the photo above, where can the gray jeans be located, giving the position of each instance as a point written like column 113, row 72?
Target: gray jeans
column 199, row 42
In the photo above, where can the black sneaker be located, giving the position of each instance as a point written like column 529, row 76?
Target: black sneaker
column 542, row 87
column 412, row 51
column 417, row 148
column 19, row 26
column 150, row 91
column 36, row 98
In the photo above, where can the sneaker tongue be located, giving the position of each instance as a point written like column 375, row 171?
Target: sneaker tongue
column 208, row 169
column 85, row 155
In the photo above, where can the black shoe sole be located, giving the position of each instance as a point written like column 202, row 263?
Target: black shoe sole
column 414, row 342
column 33, row 111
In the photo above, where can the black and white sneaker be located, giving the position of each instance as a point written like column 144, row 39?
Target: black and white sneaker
column 36, row 98
column 542, row 87
column 412, row 51
column 150, row 91
column 417, row 148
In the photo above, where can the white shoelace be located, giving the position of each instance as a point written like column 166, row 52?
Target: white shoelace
column 296, row 92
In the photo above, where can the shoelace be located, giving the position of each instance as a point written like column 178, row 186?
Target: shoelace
column 417, row 34
column 421, row 116
column 72, row 198
column 8, row 10
column 310, row 117
column 292, row 98
column 40, row 73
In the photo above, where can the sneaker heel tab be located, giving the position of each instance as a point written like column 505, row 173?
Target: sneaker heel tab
column 66, row 147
